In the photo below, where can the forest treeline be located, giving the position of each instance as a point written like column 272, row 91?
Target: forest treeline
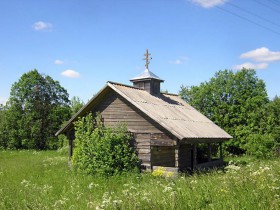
column 236, row 101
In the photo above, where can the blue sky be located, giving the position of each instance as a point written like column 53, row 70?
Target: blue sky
column 83, row 44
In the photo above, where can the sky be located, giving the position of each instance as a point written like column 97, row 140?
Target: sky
column 85, row 43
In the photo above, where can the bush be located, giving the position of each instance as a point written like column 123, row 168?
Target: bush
column 260, row 145
column 100, row 150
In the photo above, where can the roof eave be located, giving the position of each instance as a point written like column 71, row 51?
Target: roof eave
column 205, row 140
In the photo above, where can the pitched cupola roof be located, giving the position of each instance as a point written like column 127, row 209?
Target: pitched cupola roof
column 146, row 75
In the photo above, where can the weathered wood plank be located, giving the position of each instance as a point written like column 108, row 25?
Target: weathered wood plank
column 155, row 136
column 143, row 147
column 144, row 157
column 163, row 142
column 142, row 135
column 142, row 140
column 144, row 151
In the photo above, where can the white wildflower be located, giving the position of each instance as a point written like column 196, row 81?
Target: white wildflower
column 90, row 204
column 98, row 208
column 25, row 183
column 116, row 202
column 59, row 202
column 232, row 168
column 193, row 182
column 133, row 188
column 173, row 193
column 125, row 192
column 167, row 189
column 90, row 186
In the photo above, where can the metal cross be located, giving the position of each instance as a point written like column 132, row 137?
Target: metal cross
column 147, row 58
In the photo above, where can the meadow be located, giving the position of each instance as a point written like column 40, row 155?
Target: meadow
column 42, row 180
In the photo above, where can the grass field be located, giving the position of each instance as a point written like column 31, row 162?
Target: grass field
column 41, row 180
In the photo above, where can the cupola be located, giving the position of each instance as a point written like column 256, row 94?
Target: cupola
column 147, row 80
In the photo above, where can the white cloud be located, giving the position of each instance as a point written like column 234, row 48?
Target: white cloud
column 249, row 65
column 179, row 61
column 70, row 73
column 208, row 3
column 262, row 54
column 42, row 26
column 58, row 62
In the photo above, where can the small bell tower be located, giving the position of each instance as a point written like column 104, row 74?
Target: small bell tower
column 147, row 80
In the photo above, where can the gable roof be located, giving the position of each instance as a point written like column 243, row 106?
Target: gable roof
column 168, row 110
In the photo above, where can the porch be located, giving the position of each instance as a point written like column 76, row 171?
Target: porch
column 186, row 157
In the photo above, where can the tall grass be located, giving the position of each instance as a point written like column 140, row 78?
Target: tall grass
column 42, row 180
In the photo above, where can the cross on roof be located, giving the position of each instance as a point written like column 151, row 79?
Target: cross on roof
column 147, row 58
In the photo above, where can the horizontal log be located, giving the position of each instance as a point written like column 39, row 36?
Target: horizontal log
column 143, row 136
column 143, row 146
column 144, row 151
column 155, row 136
column 160, row 142
column 144, row 157
column 142, row 140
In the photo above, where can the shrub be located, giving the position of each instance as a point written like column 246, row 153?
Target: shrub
column 260, row 145
column 102, row 150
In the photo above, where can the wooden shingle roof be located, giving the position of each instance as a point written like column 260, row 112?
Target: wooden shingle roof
column 168, row 110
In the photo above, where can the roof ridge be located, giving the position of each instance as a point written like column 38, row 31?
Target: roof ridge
column 129, row 86
column 172, row 94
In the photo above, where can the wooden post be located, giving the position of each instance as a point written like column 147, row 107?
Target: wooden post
column 209, row 152
column 151, row 156
column 70, row 149
column 221, row 151
column 194, row 159
column 177, row 156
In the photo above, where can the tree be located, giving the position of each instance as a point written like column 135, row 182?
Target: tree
column 3, row 134
column 76, row 105
column 234, row 101
column 273, row 120
column 34, row 112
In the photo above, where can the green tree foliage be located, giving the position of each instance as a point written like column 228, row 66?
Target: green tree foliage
column 235, row 101
column 76, row 105
column 34, row 112
column 273, row 121
column 100, row 150
column 3, row 134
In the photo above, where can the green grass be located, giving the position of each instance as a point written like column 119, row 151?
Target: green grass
column 41, row 180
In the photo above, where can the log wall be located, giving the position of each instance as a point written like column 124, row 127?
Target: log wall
column 115, row 109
